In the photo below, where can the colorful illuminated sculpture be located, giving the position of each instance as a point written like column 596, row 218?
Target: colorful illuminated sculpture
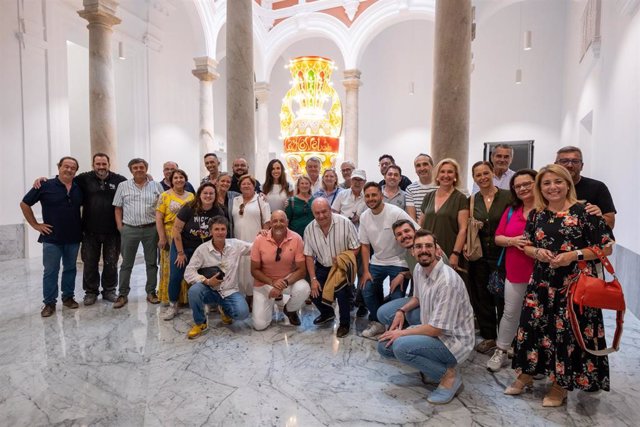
column 311, row 115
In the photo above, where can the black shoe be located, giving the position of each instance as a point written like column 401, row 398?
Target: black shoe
column 362, row 311
column 90, row 299
column 293, row 317
column 322, row 319
column 110, row 296
column 343, row 331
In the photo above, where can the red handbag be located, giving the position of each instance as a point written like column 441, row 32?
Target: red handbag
column 589, row 291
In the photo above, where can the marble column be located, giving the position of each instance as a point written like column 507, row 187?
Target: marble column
column 262, row 130
column 451, row 82
column 240, row 79
column 205, row 71
column 352, row 85
column 102, row 102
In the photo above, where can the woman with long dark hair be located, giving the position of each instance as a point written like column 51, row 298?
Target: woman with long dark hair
column 276, row 188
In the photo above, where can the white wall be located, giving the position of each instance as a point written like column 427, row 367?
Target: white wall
column 608, row 89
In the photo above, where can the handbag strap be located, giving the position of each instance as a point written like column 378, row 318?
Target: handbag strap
column 503, row 249
column 603, row 259
column 615, row 346
column 471, row 202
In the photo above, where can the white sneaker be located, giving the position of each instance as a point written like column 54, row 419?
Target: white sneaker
column 374, row 330
column 172, row 311
column 498, row 360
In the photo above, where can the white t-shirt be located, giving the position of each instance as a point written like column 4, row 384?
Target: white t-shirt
column 276, row 198
column 375, row 230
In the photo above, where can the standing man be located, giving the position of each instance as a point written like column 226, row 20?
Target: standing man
column 591, row 191
column 388, row 258
column 313, row 167
column 384, row 162
column 346, row 169
column 135, row 201
column 391, row 192
column 326, row 237
column 441, row 335
column 277, row 265
column 212, row 164
column 501, row 158
column 220, row 288
column 167, row 170
column 240, row 167
column 60, row 232
column 423, row 165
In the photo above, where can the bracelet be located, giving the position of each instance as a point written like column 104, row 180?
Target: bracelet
column 401, row 311
column 535, row 253
column 456, row 253
column 314, row 278
column 180, row 252
column 286, row 282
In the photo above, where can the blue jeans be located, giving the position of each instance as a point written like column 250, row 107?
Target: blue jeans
column 373, row 292
column 176, row 274
column 343, row 296
column 233, row 305
column 52, row 253
column 427, row 354
column 387, row 312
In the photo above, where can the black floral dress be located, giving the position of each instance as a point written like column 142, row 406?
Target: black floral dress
column 545, row 343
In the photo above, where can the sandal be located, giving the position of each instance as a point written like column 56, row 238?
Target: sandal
column 524, row 381
column 555, row 397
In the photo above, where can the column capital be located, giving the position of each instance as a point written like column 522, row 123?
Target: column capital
column 205, row 68
column 100, row 12
column 262, row 91
column 352, row 79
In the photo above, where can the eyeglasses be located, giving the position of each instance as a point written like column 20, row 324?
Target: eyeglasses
column 523, row 186
column 241, row 209
column 574, row 162
column 278, row 253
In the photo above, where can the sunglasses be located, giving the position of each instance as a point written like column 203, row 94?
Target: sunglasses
column 278, row 254
column 241, row 209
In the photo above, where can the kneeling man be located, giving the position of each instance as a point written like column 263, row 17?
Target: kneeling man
column 277, row 265
column 219, row 287
column 444, row 335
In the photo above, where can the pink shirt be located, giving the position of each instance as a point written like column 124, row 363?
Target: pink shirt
column 519, row 266
column 265, row 249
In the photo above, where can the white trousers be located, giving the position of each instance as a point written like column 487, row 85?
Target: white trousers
column 263, row 305
column 513, row 300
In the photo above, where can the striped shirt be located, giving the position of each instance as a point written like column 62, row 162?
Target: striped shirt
column 444, row 304
column 138, row 204
column 341, row 237
column 415, row 196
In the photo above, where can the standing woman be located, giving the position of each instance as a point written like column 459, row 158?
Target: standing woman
column 298, row 208
column 329, row 188
column 488, row 205
column 561, row 232
column 518, row 266
column 225, row 199
column 190, row 230
column 250, row 215
column 169, row 203
column 276, row 188
column 445, row 211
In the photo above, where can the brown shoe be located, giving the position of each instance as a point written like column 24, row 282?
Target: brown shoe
column 70, row 303
column 486, row 346
column 153, row 298
column 121, row 301
column 48, row 310
column 523, row 382
column 555, row 397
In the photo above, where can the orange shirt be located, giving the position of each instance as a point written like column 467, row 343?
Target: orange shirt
column 265, row 250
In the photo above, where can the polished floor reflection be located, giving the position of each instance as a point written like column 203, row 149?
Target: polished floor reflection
column 128, row 367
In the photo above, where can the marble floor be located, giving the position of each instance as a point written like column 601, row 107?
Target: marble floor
column 104, row 367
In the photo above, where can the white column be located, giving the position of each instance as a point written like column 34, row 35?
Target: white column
column 102, row 102
column 352, row 85
column 206, row 73
column 262, row 130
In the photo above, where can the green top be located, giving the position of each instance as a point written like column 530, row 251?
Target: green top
column 444, row 223
column 299, row 214
column 491, row 219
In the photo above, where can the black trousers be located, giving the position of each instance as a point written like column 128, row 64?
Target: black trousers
column 487, row 308
column 93, row 246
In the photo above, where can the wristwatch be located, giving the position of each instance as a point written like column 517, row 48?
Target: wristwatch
column 580, row 255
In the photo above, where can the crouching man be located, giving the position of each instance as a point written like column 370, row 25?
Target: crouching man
column 216, row 286
column 442, row 336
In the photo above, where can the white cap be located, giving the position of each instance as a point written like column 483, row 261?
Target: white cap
column 359, row 173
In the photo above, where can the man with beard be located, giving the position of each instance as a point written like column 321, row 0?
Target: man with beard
column 388, row 260
column 240, row 167
column 212, row 164
column 278, row 267
column 440, row 333
column 346, row 169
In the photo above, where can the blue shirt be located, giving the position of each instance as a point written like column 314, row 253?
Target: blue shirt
column 60, row 209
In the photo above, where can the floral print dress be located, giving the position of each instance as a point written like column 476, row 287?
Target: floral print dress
column 545, row 343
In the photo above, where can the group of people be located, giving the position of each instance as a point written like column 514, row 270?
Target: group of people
column 247, row 248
